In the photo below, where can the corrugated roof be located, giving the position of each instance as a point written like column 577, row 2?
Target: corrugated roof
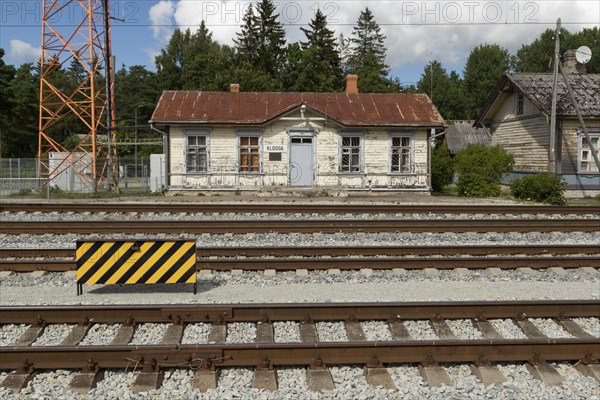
column 538, row 88
column 462, row 134
column 249, row 108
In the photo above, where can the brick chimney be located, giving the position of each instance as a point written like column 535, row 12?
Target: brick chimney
column 571, row 65
column 234, row 88
column 351, row 83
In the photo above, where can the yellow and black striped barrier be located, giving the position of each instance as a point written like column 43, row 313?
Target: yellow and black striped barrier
column 135, row 261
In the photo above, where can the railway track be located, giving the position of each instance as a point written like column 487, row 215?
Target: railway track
column 315, row 258
column 290, row 226
column 265, row 354
column 337, row 251
column 291, row 208
column 286, row 264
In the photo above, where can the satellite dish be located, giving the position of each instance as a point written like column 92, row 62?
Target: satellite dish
column 583, row 54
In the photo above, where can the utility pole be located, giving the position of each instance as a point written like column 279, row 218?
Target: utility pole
column 552, row 148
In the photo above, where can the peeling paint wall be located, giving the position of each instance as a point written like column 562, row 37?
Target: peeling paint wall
column 223, row 156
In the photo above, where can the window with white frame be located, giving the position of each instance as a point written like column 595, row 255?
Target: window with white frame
column 401, row 157
column 586, row 158
column 249, row 153
column 351, row 153
column 196, row 153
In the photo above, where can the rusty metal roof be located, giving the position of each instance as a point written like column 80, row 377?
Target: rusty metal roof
column 258, row 108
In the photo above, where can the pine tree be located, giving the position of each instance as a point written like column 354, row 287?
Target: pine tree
column 367, row 54
column 262, row 39
column 320, row 68
column 292, row 66
column 247, row 40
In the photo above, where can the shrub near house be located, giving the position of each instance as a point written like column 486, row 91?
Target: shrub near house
column 480, row 169
column 545, row 188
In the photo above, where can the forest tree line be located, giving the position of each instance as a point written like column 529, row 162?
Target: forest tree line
column 261, row 60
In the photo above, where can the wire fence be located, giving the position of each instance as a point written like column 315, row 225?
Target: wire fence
column 19, row 176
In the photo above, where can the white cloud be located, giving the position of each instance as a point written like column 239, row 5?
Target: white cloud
column 22, row 52
column 161, row 18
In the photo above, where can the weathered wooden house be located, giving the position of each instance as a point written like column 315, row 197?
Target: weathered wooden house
column 251, row 140
column 517, row 115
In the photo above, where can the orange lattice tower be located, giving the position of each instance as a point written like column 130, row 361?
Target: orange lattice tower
column 86, row 41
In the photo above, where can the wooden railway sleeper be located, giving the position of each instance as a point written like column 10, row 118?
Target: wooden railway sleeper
column 150, row 378
column 589, row 366
column 433, row 373
column 540, row 370
column 264, row 376
column 78, row 332
column 20, row 377
column 87, row 378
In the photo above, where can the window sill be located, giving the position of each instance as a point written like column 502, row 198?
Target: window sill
column 401, row 174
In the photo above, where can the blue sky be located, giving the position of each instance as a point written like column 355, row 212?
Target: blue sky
column 417, row 31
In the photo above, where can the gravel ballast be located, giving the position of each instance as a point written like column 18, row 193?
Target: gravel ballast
column 236, row 383
column 316, row 287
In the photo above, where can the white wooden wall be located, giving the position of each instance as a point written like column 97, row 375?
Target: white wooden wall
column 223, row 158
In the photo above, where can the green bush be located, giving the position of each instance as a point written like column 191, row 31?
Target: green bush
column 480, row 169
column 442, row 168
column 477, row 185
column 543, row 187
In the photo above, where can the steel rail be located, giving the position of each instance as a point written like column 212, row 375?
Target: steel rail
column 282, row 354
column 366, row 207
column 284, row 264
column 298, row 312
column 320, row 251
column 325, row 226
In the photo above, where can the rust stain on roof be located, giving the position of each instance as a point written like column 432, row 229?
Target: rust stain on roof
column 257, row 108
